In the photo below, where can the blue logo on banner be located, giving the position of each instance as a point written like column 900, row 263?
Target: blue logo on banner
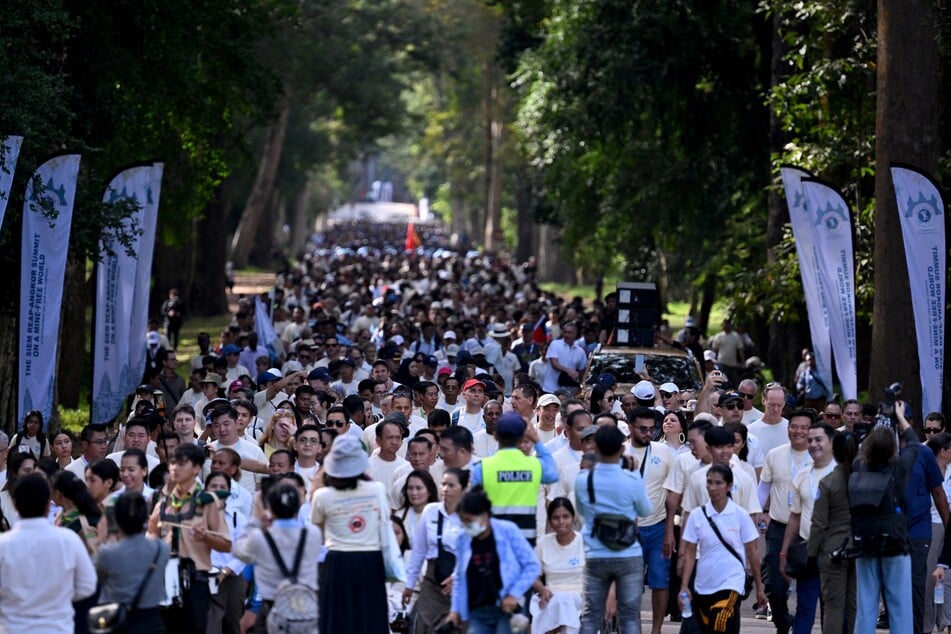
column 832, row 217
column 924, row 209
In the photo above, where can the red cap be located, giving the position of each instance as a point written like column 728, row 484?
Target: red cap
column 471, row 383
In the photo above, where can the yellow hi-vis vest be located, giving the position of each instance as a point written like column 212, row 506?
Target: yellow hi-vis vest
column 512, row 480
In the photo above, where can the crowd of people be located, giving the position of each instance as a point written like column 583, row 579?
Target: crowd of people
column 420, row 450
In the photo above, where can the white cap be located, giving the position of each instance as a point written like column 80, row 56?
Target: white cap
column 549, row 399
column 449, row 334
column 398, row 340
column 670, row 388
column 276, row 373
column 709, row 355
column 643, row 390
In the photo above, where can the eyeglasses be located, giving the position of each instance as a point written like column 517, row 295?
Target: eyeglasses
column 664, row 394
column 732, row 405
column 100, row 441
column 309, row 441
column 646, row 430
column 337, row 423
column 748, row 397
column 933, row 430
column 610, row 399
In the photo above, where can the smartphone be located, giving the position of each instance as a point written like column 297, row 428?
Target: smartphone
column 639, row 363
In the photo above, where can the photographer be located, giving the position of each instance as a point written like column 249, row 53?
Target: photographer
column 878, row 502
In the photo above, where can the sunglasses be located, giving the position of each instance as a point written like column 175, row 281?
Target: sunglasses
column 748, row 397
column 732, row 405
column 932, row 430
column 336, row 423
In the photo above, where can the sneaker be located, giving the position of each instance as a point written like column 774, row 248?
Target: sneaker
column 762, row 613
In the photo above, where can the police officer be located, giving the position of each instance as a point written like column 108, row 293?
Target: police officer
column 512, row 479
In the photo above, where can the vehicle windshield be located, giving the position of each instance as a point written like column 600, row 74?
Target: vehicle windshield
column 662, row 368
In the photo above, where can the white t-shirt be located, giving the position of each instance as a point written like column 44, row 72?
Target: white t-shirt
column 382, row 470
column 473, row 422
column 770, row 435
column 781, row 467
column 680, row 471
column 483, row 444
column 562, row 565
column 247, row 451
column 116, row 457
column 717, row 568
column 659, row 461
column 805, row 492
column 350, row 519
column 743, row 491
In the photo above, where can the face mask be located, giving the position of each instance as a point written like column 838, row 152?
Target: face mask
column 473, row 528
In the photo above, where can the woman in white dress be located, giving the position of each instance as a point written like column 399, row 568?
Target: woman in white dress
column 556, row 604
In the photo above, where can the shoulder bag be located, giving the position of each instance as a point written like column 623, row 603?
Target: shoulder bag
column 445, row 562
column 748, row 585
column 617, row 532
column 110, row 618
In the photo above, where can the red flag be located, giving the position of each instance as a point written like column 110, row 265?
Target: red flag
column 412, row 238
column 539, row 335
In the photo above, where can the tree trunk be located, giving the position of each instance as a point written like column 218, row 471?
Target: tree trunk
column 8, row 371
column 552, row 267
column 525, row 248
column 243, row 241
column 708, row 294
column 780, row 350
column 300, row 224
column 207, row 296
column 73, row 360
column 663, row 280
column 906, row 130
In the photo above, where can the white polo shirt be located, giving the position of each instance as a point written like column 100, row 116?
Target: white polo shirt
column 717, row 568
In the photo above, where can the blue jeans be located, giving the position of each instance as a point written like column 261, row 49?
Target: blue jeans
column 807, row 596
column 628, row 574
column 893, row 574
column 489, row 620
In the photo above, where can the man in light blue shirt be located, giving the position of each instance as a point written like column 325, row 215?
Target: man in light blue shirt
column 619, row 493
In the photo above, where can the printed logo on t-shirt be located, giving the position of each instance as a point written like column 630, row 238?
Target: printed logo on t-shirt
column 357, row 524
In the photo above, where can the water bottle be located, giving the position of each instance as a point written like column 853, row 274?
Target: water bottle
column 686, row 611
column 762, row 526
column 939, row 593
column 518, row 623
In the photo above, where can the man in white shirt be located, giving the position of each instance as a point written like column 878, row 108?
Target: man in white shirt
column 720, row 449
column 420, row 454
column 654, row 461
column 484, row 443
column 31, row 600
column 805, row 490
column 95, row 444
column 548, row 408
column 564, row 355
column 389, row 439
column 783, row 464
column 771, row 429
column 523, row 400
column 473, row 393
column 568, row 458
column 449, row 396
column 224, row 424
column 307, row 446
column 748, row 390
column 136, row 437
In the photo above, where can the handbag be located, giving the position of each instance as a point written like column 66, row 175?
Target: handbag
column 445, row 562
column 565, row 380
column 798, row 565
column 617, row 532
column 749, row 581
column 110, row 618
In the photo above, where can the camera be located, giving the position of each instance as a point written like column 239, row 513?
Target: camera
column 886, row 409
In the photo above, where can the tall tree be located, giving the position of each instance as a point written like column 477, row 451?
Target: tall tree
column 907, row 126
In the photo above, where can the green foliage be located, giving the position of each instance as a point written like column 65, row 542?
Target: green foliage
column 824, row 102
column 647, row 126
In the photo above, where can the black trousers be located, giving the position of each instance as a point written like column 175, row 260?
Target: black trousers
column 192, row 616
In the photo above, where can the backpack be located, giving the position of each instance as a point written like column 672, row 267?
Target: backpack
column 877, row 506
column 295, row 605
